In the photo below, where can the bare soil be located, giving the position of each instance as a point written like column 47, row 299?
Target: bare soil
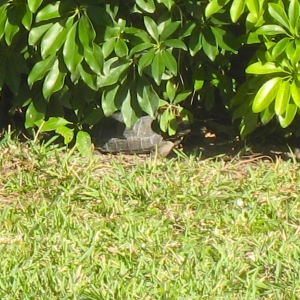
column 211, row 138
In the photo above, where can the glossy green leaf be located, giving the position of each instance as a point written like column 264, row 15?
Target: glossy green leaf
column 267, row 115
column 84, row 143
column 108, row 46
column 198, row 84
column 27, row 18
column 280, row 47
column 128, row 112
column 254, row 7
column 66, row 132
column 53, row 123
column 121, row 48
column 169, row 61
column 34, row 5
column 48, row 12
column 94, row 58
column 173, row 126
column 164, row 120
column 147, row 5
column 294, row 56
column 75, row 76
column 174, row 43
column 249, row 123
column 163, row 103
column 34, row 112
column 151, row 28
column 55, row 37
column 222, row 38
column 135, row 31
column 236, row 9
column 187, row 29
column 147, row 97
column 266, row 94
column 40, row 69
column 266, row 68
column 282, row 97
column 214, row 6
column 278, row 13
column 72, row 57
column 295, row 92
column 146, row 60
column 11, row 26
column 37, row 32
column 294, row 15
column 30, row 116
column 290, row 51
column 171, row 90
column 114, row 75
column 10, row 31
column 195, row 42
column 3, row 18
column 169, row 30
column 253, row 22
column 270, row 30
column 140, row 48
column 290, row 113
column 98, row 54
column 108, row 103
column 111, row 63
column 209, row 47
column 54, row 80
column 168, row 3
column 199, row 77
column 182, row 96
column 88, row 78
column 157, row 68
column 112, row 32
column 121, row 25
column 86, row 32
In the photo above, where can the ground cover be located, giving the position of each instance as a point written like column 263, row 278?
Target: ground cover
column 112, row 228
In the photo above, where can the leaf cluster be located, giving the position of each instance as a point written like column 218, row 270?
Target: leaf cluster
column 273, row 88
column 70, row 63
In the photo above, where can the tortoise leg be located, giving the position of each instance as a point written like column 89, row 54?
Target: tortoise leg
column 164, row 148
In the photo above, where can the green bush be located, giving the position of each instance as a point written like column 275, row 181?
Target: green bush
column 273, row 85
column 69, row 63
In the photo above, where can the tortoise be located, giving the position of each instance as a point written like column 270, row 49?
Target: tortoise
column 112, row 136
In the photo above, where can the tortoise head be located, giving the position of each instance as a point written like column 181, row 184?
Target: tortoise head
column 183, row 128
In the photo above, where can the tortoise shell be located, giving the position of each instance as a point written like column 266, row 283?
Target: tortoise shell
column 111, row 135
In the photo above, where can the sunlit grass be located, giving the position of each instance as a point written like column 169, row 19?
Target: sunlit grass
column 107, row 228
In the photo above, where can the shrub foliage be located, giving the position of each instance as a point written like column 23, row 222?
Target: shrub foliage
column 68, row 63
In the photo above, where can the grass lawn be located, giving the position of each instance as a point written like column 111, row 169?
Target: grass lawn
column 74, row 228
